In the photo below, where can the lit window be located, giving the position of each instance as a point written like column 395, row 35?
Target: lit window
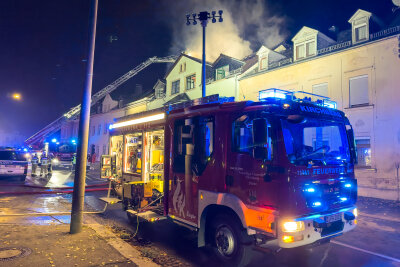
column 175, row 87
column 361, row 33
column 363, row 152
column 300, row 53
column 190, row 82
column 358, row 91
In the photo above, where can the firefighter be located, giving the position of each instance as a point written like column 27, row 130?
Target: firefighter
column 44, row 165
column 73, row 162
column 35, row 162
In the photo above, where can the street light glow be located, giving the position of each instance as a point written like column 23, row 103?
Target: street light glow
column 16, row 96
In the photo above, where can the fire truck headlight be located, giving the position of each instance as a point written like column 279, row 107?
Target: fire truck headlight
column 55, row 160
column 291, row 226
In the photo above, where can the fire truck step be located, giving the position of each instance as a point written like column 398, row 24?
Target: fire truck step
column 149, row 216
column 110, row 200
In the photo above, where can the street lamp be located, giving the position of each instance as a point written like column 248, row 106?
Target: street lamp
column 203, row 18
column 16, row 96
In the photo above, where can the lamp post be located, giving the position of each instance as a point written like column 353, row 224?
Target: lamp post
column 80, row 170
column 203, row 18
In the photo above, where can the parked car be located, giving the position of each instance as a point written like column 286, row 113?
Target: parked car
column 13, row 163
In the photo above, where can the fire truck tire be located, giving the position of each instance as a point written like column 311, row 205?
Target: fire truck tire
column 229, row 241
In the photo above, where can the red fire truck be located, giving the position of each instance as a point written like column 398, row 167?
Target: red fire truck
column 278, row 173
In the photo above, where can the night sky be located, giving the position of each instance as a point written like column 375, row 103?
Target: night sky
column 43, row 46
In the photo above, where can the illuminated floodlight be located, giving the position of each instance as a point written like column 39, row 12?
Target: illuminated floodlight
column 316, row 204
column 271, row 93
column 330, row 104
column 156, row 117
column 54, row 140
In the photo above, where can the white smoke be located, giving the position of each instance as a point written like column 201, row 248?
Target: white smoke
column 247, row 25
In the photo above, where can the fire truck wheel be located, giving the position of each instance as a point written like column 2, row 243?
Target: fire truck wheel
column 229, row 241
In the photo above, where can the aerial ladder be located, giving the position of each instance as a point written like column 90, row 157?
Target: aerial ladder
column 72, row 114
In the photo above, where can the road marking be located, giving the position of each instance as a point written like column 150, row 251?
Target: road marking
column 380, row 217
column 366, row 251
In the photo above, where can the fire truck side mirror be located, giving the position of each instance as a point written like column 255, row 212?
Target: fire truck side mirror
column 352, row 143
column 260, row 135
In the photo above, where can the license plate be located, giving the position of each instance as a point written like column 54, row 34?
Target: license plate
column 333, row 218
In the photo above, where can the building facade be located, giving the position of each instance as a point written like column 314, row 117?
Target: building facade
column 360, row 73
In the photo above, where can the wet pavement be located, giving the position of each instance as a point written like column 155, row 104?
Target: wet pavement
column 374, row 242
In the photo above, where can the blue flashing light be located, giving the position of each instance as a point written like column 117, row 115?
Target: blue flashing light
column 110, row 127
column 57, row 143
column 347, row 185
column 329, row 103
column 316, row 204
column 73, row 141
column 54, row 140
column 343, row 198
column 310, row 190
column 26, row 150
column 272, row 93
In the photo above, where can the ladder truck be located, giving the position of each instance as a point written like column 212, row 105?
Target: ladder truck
column 38, row 138
column 276, row 173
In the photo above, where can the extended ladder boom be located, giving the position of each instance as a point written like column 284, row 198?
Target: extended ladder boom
column 72, row 113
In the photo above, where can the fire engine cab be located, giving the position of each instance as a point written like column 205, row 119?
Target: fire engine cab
column 277, row 173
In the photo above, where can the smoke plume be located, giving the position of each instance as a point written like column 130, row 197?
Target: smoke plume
column 247, row 25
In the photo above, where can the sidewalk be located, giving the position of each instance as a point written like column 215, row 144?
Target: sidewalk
column 46, row 241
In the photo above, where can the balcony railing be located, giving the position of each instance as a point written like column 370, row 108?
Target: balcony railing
column 280, row 63
column 334, row 47
column 384, row 33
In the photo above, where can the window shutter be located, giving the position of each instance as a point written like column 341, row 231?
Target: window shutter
column 320, row 89
column 358, row 88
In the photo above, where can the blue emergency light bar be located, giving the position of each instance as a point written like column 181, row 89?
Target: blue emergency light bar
column 274, row 93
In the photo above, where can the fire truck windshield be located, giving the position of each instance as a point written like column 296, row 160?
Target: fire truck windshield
column 315, row 141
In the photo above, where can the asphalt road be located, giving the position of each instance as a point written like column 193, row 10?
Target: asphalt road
column 374, row 242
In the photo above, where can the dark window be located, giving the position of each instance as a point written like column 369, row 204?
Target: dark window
column 243, row 136
column 175, row 87
column 193, row 143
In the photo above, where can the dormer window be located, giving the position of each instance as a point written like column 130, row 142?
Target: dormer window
column 263, row 62
column 306, row 49
column 305, row 43
column 221, row 72
column 360, row 26
column 361, row 33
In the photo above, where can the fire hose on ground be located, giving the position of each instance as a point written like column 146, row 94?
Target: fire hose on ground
column 58, row 191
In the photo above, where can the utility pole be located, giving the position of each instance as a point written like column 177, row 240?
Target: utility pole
column 203, row 17
column 83, row 135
